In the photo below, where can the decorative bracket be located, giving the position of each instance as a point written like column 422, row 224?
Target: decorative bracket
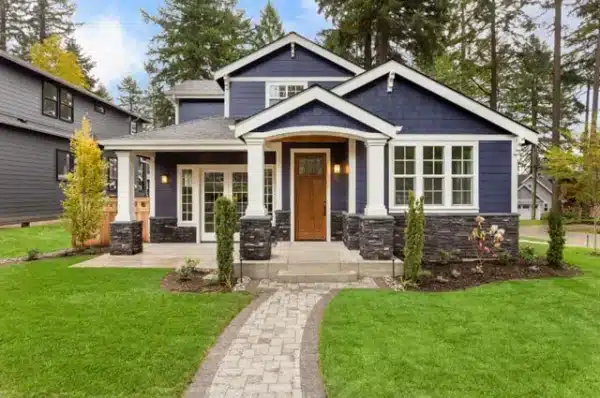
column 390, row 84
column 293, row 50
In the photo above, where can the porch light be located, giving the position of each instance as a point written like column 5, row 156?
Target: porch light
column 337, row 168
column 164, row 179
column 347, row 169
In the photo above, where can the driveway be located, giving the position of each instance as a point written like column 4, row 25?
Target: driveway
column 573, row 238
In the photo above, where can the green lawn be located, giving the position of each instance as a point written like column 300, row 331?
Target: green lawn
column 102, row 332
column 537, row 338
column 15, row 242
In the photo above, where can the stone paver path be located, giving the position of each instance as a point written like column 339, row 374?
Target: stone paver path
column 263, row 359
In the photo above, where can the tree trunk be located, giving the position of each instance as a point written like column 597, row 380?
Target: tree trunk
column 42, row 16
column 383, row 40
column 556, row 96
column 594, row 121
column 3, row 23
column 493, row 57
column 534, row 152
column 367, row 49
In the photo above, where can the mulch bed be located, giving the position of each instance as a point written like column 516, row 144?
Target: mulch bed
column 492, row 272
column 196, row 284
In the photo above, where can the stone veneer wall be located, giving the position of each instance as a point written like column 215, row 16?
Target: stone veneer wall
column 255, row 238
column 337, row 226
column 376, row 240
column 283, row 225
column 451, row 232
column 351, row 230
column 165, row 230
column 126, row 238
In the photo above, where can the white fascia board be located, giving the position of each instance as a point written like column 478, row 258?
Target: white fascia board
column 312, row 94
column 198, row 96
column 288, row 39
column 440, row 90
column 290, row 79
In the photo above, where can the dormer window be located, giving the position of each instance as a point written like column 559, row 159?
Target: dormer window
column 277, row 92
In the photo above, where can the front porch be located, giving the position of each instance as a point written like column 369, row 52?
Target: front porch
column 289, row 262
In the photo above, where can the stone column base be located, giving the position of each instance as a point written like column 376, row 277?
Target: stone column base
column 283, row 225
column 126, row 238
column 376, row 237
column 351, row 230
column 255, row 237
column 337, row 226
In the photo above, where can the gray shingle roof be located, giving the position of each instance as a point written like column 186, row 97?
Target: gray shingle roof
column 206, row 88
column 542, row 179
column 210, row 128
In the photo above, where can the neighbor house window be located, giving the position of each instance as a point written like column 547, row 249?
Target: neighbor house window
column 404, row 173
column 66, row 105
column 444, row 175
column 50, row 100
column 65, row 162
column 133, row 128
column 187, row 213
column 98, row 107
column 277, row 92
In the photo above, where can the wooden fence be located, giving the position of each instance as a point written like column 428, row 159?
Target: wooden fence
column 142, row 213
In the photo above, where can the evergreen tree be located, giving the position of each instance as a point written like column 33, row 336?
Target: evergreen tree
column 102, row 91
column 85, row 61
column 196, row 38
column 159, row 108
column 269, row 27
column 131, row 95
column 12, row 16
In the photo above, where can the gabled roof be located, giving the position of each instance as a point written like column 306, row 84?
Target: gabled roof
column 543, row 181
column 315, row 93
column 441, row 90
column 201, row 89
column 291, row 37
column 80, row 90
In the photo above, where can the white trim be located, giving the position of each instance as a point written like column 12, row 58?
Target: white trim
column 195, row 195
column 126, row 162
column 315, row 79
column 327, row 131
column 447, row 207
column 426, row 137
column 176, row 105
column 152, row 186
column 375, row 178
column 287, row 39
column 278, row 203
column 197, row 95
column 226, row 96
column 293, row 152
column 352, row 176
column 176, row 147
column 281, row 83
column 307, row 96
column 514, row 186
column 440, row 90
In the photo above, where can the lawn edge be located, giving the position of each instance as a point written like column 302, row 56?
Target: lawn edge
column 200, row 385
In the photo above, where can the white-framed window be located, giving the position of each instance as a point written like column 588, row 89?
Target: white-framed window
column 443, row 173
column 186, row 195
column 269, row 188
column 277, row 92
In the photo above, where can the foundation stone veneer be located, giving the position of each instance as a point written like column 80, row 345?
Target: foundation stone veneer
column 376, row 240
column 255, row 237
column 126, row 238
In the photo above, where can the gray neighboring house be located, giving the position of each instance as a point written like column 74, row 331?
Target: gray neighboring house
column 38, row 114
column 543, row 194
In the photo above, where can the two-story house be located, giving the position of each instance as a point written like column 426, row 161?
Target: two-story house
column 38, row 114
column 313, row 147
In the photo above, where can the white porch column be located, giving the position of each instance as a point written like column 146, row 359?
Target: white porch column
column 375, row 178
column 125, row 186
column 352, row 176
column 256, row 177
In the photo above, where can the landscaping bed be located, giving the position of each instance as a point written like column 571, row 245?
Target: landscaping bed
column 197, row 282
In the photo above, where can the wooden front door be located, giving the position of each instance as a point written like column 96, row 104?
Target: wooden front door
column 310, row 202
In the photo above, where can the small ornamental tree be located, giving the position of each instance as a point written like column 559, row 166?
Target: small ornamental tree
column 414, row 237
column 225, row 221
column 51, row 56
column 84, row 189
column 556, row 230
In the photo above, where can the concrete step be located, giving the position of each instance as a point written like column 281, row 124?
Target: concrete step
column 312, row 277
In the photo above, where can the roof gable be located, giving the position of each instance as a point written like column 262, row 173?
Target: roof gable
column 440, row 90
column 289, row 39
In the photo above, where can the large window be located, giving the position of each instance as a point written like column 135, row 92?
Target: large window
column 277, row 92
column 57, row 103
column 444, row 175
column 65, row 162
column 66, row 106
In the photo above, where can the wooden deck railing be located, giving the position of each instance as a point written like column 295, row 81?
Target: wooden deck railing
column 142, row 213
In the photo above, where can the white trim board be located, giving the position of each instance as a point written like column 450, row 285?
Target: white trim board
column 311, row 79
column 325, row 131
column 315, row 93
column 440, row 90
column 293, row 152
column 292, row 37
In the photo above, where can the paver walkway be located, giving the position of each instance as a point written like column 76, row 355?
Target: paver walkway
column 263, row 359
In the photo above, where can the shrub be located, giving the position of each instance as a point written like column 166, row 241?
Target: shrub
column 32, row 254
column 448, row 256
column 187, row 269
column 505, row 258
column 556, row 230
column 414, row 238
column 527, row 254
column 225, row 220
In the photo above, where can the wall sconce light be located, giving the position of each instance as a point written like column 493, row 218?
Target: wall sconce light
column 347, row 169
column 337, row 168
column 164, row 179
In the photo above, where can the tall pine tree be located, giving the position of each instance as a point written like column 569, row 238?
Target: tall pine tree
column 85, row 62
column 269, row 27
column 131, row 95
column 12, row 21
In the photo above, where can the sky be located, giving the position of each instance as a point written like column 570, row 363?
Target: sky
column 115, row 36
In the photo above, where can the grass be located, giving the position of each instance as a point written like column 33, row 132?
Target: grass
column 533, row 239
column 532, row 222
column 536, row 338
column 15, row 242
column 76, row 333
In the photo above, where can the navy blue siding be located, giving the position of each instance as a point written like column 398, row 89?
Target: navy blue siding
column 280, row 64
column 339, row 182
column 197, row 109
column 247, row 98
column 418, row 110
column 166, row 164
column 361, row 177
column 313, row 114
column 495, row 176
column 326, row 85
